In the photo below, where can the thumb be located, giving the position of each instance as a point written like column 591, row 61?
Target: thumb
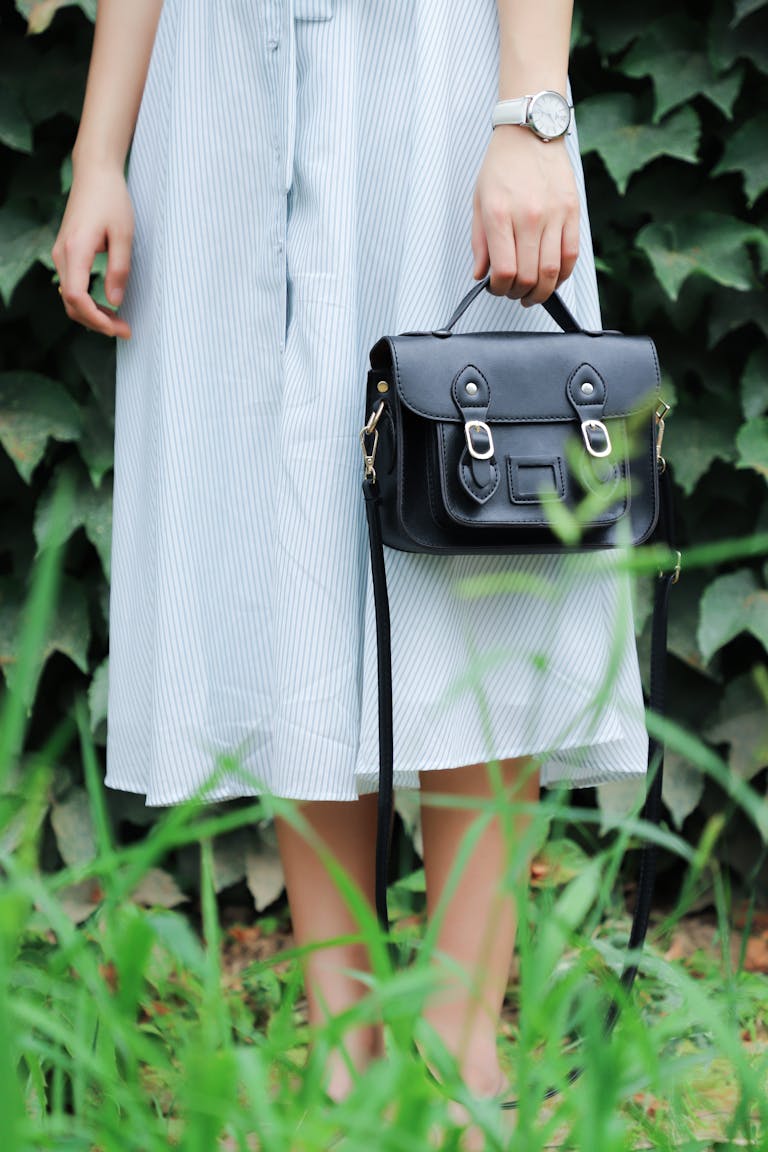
column 118, row 264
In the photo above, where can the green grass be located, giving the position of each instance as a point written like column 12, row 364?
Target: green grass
column 124, row 1034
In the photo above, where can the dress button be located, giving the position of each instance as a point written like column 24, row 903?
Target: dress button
column 272, row 43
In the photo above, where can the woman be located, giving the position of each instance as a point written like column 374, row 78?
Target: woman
column 306, row 175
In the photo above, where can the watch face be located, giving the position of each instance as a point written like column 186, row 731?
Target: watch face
column 550, row 114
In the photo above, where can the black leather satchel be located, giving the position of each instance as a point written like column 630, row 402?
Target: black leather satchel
column 508, row 442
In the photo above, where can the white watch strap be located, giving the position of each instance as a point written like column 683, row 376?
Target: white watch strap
column 510, row 111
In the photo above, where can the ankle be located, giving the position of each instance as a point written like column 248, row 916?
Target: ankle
column 346, row 1062
column 484, row 1079
column 477, row 1063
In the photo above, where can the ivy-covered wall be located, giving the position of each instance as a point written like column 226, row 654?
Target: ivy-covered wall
column 671, row 108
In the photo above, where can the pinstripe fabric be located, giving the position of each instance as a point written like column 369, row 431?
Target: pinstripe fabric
column 302, row 176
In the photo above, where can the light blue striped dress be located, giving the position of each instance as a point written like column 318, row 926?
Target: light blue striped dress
column 302, row 174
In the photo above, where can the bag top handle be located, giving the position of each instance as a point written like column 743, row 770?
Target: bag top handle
column 554, row 306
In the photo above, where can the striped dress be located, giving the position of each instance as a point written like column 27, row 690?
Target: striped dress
column 302, row 176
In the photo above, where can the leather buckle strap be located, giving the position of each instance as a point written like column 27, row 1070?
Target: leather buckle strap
column 481, row 427
column 600, row 428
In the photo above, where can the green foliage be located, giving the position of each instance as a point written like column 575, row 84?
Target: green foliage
column 670, row 112
column 669, row 104
column 133, row 1027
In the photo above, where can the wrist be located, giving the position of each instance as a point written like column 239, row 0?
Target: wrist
column 87, row 154
column 546, row 113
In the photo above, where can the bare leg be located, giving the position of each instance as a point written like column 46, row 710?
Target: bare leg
column 319, row 912
column 479, row 921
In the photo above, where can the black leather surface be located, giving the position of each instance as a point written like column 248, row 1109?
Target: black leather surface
column 527, row 372
column 530, row 389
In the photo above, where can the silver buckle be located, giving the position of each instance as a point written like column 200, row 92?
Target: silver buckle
column 599, row 427
column 480, row 424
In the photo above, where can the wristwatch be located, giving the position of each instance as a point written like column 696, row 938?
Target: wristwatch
column 548, row 114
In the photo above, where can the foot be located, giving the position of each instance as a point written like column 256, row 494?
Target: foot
column 340, row 1078
column 484, row 1083
column 473, row 1137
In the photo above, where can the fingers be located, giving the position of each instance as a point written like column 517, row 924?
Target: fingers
column 479, row 243
column 500, row 243
column 528, row 243
column 569, row 252
column 526, row 226
column 118, row 265
column 73, row 259
column 530, row 261
column 548, row 268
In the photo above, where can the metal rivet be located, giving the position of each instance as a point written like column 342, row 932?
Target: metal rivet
column 382, row 386
column 587, row 388
column 471, row 387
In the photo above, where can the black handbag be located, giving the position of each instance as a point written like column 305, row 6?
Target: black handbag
column 505, row 442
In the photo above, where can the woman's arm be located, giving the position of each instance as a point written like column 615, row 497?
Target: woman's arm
column 99, row 215
column 122, row 45
column 525, row 225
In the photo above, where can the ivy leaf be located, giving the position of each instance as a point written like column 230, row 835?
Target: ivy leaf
column 157, row 888
column 682, row 786
column 15, row 128
column 679, row 74
column 11, row 603
column 752, row 444
column 98, row 691
column 407, row 807
column 228, row 857
column 73, row 825
column 616, row 798
column 707, row 243
column 40, row 13
column 97, row 522
column 732, row 604
column 79, row 901
column 744, row 8
column 684, row 619
column 728, row 42
column 95, row 358
column 64, row 87
column 33, row 409
column 263, row 868
column 69, row 630
column 754, row 384
column 745, row 152
column 607, row 125
column 733, row 310
column 696, row 440
column 618, row 27
column 741, row 722
column 96, row 444
column 91, row 508
column 23, row 241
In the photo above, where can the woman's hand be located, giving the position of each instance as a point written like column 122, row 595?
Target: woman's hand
column 98, row 218
column 525, row 221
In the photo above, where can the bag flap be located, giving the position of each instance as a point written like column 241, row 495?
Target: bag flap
column 527, row 372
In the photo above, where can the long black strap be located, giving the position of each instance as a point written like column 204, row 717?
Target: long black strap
column 652, row 807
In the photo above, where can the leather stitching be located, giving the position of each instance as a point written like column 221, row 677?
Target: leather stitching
column 559, row 480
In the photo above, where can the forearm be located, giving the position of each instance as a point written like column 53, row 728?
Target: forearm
column 534, row 40
column 123, row 36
